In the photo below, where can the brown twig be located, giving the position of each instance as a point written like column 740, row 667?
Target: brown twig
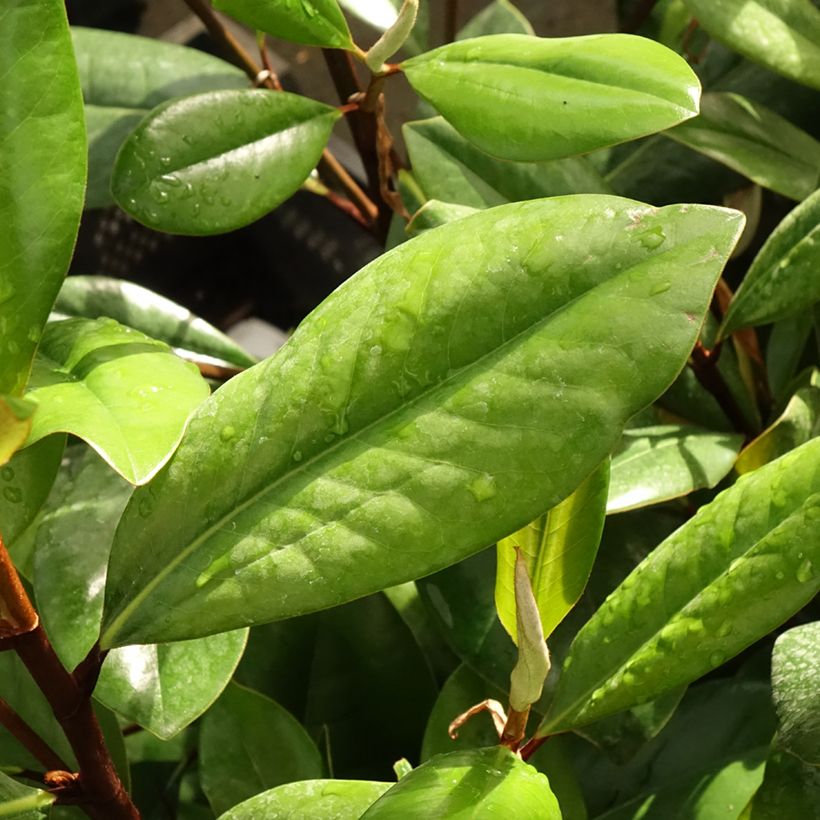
column 17, row 615
column 531, row 747
column 40, row 750
column 514, row 728
column 265, row 57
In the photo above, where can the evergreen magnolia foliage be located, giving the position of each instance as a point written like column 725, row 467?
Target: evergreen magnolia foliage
column 522, row 520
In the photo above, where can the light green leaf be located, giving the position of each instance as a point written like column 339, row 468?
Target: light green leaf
column 310, row 22
column 22, row 802
column 655, row 464
column 123, row 77
column 166, row 687
column 42, row 176
column 451, row 169
column 15, row 425
column 481, row 782
column 783, row 35
column 434, row 213
column 130, row 304
column 799, row 423
column 124, row 393
column 525, row 98
column 559, row 549
column 248, row 744
column 754, row 141
column 499, row 17
column 740, row 567
column 795, row 673
column 790, row 789
column 783, row 278
column 214, row 162
column 412, row 420
column 325, row 799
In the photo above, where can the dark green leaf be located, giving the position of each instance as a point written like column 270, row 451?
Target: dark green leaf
column 214, row 162
column 433, row 214
column 783, row 279
column 783, row 36
column 499, row 17
column 123, row 77
column 755, row 142
column 22, row 802
column 655, row 464
column 124, row 393
column 167, row 686
column 412, row 420
column 43, row 146
column 790, row 789
column 481, row 782
column 249, row 744
column 525, row 98
column 325, row 799
column 451, row 169
column 739, row 568
column 787, row 341
column 559, row 549
column 796, row 695
column 311, row 22
column 96, row 297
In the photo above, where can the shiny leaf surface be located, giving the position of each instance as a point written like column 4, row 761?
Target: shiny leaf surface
column 655, row 464
column 434, row 214
column 123, row 77
column 559, row 549
column 554, row 98
column 790, row 788
column 413, row 421
column 755, row 142
column 249, row 744
column 740, row 567
column 451, row 169
column 783, row 279
column 43, row 146
column 124, row 393
column 214, row 162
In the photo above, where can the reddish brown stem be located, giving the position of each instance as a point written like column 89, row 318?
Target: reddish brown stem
column 39, row 749
column 531, row 747
column 17, row 615
column 515, row 728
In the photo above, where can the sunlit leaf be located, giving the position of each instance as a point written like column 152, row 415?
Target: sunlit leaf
column 22, row 802
column 15, row 424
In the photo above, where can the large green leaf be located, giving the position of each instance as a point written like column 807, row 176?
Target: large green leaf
column 42, row 175
column 22, row 802
column 740, row 567
column 498, row 17
column 95, row 297
column 449, row 168
column 311, row 22
column 412, row 421
column 795, row 674
column 126, row 394
column 214, row 162
column 525, row 98
column 783, row 35
column 559, row 549
column 249, row 744
column 325, row 799
column 783, row 278
column 655, row 464
column 790, row 789
column 123, row 77
column 477, row 782
column 755, row 142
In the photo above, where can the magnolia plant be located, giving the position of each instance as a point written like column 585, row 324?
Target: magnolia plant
column 522, row 520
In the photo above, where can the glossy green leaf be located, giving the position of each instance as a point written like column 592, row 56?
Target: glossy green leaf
column 783, row 279
column 15, row 425
column 795, row 674
column 783, row 36
column 124, row 393
column 249, row 744
column 72, row 544
column 655, row 464
column 477, row 782
column 559, row 549
column 310, row 22
column 22, row 802
column 214, row 162
column 740, row 567
column 784, row 349
column 123, row 77
column 799, row 423
column 42, row 182
column 325, row 799
column 451, row 169
column 525, row 98
column 498, row 17
column 755, row 142
column 95, row 297
column 412, row 421
column 434, row 214
column 165, row 687
column 790, row 789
